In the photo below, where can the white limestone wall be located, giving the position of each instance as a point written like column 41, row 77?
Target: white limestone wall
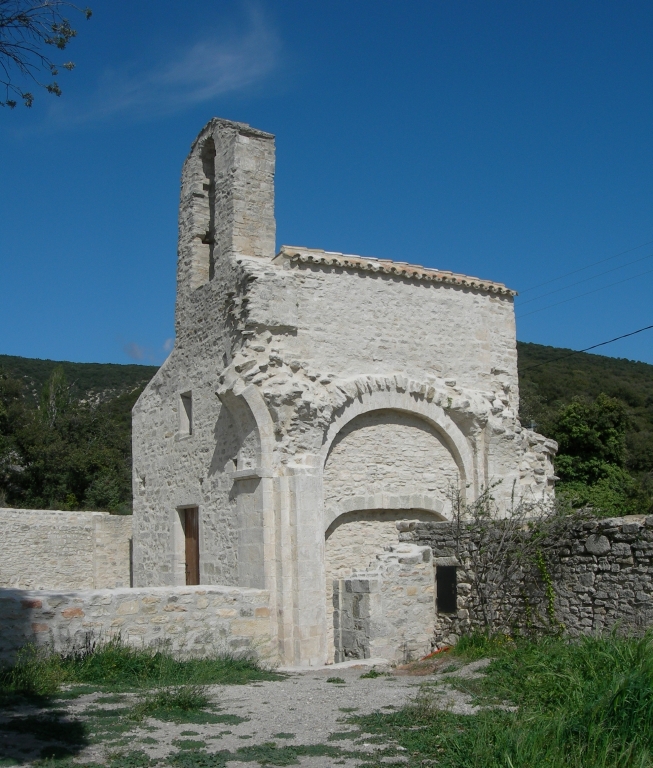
column 50, row 549
column 388, row 452
column 353, row 322
column 387, row 611
column 190, row 621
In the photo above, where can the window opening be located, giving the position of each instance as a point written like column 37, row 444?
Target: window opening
column 446, row 579
column 208, row 168
column 191, row 534
column 186, row 414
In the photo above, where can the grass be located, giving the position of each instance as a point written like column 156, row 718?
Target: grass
column 586, row 702
column 336, row 680
column 38, row 675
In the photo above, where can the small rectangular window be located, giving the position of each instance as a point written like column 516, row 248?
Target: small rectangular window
column 447, row 590
column 186, row 414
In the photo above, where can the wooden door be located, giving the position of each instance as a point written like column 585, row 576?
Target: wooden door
column 192, row 530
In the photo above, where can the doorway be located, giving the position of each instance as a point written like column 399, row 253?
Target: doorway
column 192, row 548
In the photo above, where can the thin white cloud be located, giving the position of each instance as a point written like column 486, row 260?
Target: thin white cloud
column 134, row 351
column 168, row 344
column 201, row 72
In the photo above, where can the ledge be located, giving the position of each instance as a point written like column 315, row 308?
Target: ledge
column 250, row 473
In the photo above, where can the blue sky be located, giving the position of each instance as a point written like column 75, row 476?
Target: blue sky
column 508, row 140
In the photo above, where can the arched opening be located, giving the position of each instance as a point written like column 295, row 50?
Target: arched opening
column 208, row 186
column 352, row 543
column 383, row 466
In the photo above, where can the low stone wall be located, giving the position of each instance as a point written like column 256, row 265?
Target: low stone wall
column 192, row 621
column 387, row 611
column 600, row 572
column 49, row 549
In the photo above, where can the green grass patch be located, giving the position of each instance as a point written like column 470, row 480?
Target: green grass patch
column 336, row 680
column 37, row 675
column 284, row 735
column 586, row 702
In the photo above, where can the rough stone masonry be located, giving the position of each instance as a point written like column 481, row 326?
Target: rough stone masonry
column 312, row 400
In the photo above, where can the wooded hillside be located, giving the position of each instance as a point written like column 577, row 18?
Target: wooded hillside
column 65, row 429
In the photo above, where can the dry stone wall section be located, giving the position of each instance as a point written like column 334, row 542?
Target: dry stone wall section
column 601, row 572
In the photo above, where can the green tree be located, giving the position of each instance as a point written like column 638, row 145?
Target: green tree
column 66, row 454
column 592, row 456
column 27, row 29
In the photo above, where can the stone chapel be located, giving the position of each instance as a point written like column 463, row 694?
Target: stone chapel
column 313, row 400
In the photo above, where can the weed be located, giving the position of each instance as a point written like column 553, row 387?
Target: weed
column 38, row 673
column 372, row 673
column 341, row 735
column 336, row 680
column 189, row 744
column 187, row 698
column 284, row 735
column 189, row 733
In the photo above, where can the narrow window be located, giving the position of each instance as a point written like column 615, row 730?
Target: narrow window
column 191, row 534
column 186, row 414
column 447, row 592
column 208, row 187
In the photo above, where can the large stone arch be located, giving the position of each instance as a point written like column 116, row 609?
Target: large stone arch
column 425, row 411
column 363, row 503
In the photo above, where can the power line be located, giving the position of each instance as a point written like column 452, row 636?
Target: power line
column 587, row 349
column 582, row 269
column 580, row 295
column 584, row 280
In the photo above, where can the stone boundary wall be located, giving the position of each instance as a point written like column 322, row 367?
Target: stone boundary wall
column 191, row 621
column 49, row 549
column 601, row 571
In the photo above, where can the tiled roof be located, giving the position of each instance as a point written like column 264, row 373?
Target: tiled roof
column 296, row 255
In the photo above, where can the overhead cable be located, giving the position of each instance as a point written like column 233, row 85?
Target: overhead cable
column 587, row 349
column 587, row 293
column 582, row 269
column 585, row 279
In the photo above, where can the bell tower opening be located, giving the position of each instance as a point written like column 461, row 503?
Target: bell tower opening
column 208, row 188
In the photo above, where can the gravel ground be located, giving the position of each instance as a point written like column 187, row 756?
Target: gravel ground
column 300, row 710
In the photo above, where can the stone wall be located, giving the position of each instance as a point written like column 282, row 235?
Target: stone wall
column 192, row 621
column 601, row 571
column 387, row 611
column 47, row 549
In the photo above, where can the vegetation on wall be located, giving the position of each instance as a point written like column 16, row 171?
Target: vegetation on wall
column 65, row 429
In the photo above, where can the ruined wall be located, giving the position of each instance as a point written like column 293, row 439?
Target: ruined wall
column 601, row 571
column 226, row 209
column 47, row 549
column 387, row 611
column 353, row 544
column 194, row 621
